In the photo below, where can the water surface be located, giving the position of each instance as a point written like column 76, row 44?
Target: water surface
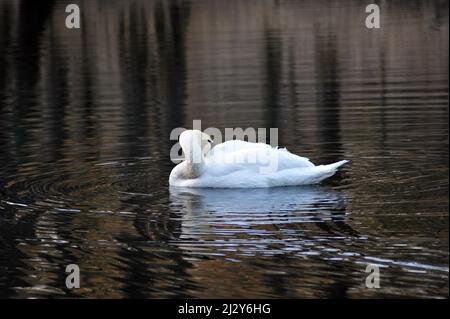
column 85, row 118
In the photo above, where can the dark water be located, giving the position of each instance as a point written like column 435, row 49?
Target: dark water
column 85, row 118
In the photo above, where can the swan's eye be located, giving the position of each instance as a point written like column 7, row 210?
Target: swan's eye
column 209, row 141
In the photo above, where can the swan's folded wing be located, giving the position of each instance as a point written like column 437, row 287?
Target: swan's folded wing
column 229, row 147
column 240, row 155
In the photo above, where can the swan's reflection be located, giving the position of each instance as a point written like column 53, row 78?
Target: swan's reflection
column 218, row 213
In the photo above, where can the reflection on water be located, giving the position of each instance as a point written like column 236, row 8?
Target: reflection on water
column 254, row 221
column 85, row 117
column 202, row 209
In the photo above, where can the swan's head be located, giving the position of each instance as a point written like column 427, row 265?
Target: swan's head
column 195, row 145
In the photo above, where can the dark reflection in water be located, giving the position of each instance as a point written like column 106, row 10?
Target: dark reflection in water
column 85, row 118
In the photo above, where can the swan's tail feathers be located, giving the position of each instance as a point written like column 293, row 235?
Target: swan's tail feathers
column 325, row 171
column 333, row 167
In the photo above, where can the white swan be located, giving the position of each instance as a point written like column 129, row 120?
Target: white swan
column 240, row 164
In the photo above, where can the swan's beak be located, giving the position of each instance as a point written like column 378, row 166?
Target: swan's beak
column 212, row 144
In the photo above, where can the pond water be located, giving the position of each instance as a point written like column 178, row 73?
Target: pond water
column 85, row 118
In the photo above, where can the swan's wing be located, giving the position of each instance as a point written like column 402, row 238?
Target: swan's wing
column 237, row 155
column 228, row 147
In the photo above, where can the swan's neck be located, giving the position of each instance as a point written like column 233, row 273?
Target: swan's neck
column 195, row 161
column 194, row 170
